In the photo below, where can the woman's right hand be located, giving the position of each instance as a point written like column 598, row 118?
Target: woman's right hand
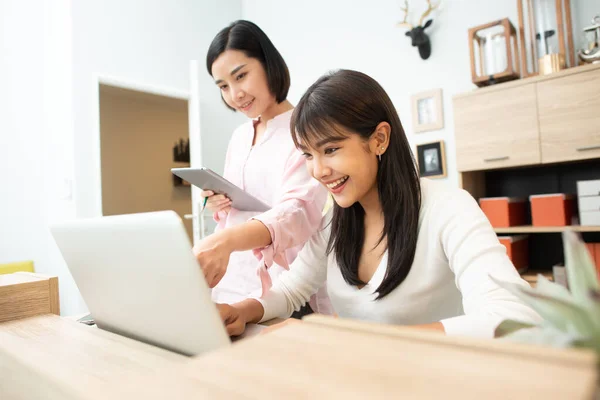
column 216, row 202
column 232, row 317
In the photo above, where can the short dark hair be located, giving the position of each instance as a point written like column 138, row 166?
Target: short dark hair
column 248, row 37
column 357, row 103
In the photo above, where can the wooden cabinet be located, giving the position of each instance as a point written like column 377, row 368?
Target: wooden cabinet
column 538, row 120
column 569, row 115
column 497, row 129
column 547, row 130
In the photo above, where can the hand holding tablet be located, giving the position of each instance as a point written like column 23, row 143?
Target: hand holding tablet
column 215, row 203
column 208, row 180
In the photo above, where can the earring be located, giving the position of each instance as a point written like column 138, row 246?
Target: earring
column 382, row 149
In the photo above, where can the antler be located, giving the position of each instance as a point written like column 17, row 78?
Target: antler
column 430, row 8
column 405, row 9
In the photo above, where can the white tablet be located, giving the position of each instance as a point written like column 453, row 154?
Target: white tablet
column 206, row 179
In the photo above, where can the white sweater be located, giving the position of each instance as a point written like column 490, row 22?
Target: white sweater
column 456, row 251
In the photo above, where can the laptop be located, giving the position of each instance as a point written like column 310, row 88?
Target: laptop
column 139, row 279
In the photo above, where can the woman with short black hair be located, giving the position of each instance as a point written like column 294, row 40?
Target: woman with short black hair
column 262, row 160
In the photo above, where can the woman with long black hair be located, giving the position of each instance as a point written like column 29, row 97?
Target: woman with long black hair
column 395, row 248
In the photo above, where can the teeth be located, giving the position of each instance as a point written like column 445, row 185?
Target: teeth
column 336, row 183
column 247, row 104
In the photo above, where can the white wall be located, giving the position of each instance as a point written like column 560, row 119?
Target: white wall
column 150, row 42
column 317, row 36
column 36, row 134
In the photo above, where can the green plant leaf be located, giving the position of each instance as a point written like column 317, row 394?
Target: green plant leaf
column 509, row 326
column 552, row 289
column 592, row 305
column 548, row 336
column 581, row 271
column 554, row 311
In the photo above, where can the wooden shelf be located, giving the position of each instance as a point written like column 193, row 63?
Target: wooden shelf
column 547, row 229
column 530, row 276
column 529, row 80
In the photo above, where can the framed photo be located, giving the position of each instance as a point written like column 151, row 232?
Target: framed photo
column 427, row 111
column 431, row 159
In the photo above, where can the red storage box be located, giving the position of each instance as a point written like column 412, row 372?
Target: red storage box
column 504, row 211
column 555, row 209
column 591, row 248
column 517, row 249
column 594, row 250
column 597, row 257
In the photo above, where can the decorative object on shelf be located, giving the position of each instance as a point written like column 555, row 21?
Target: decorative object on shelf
column 592, row 53
column 181, row 151
column 551, row 63
column 588, row 202
column 417, row 33
column 427, row 111
column 494, row 53
column 546, row 36
column 431, row 159
column 569, row 316
column 559, row 274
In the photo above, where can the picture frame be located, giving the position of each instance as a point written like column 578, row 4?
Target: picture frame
column 431, row 159
column 427, row 111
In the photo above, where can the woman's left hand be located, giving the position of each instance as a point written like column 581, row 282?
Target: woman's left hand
column 213, row 255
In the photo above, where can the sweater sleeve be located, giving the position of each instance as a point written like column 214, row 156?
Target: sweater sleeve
column 306, row 275
column 297, row 213
column 474, row 253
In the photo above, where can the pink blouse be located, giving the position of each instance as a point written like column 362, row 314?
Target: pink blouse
column 273, row 171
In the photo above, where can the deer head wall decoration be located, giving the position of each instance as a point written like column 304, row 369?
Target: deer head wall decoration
column 417, row 33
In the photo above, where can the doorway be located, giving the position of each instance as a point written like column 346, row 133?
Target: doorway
column 142, row 136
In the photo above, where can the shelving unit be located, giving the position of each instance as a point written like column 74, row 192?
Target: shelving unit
column 537, row 135
column 546, row 229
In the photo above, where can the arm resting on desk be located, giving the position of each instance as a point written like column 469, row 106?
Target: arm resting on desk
column 235, row 317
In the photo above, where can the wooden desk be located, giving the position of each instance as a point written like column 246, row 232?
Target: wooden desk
column 51, row 358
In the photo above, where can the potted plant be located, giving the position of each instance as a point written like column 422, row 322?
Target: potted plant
column 570, row 317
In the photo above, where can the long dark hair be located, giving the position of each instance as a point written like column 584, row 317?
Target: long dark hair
column 356, row 102
column 248, row 37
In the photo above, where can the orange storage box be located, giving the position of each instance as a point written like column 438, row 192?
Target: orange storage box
column 504, row 211
column 517, row 249
column 594, row 250
column 555, row 209
column 596, row 256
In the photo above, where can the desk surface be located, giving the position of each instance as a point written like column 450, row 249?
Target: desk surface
column 52, row 358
